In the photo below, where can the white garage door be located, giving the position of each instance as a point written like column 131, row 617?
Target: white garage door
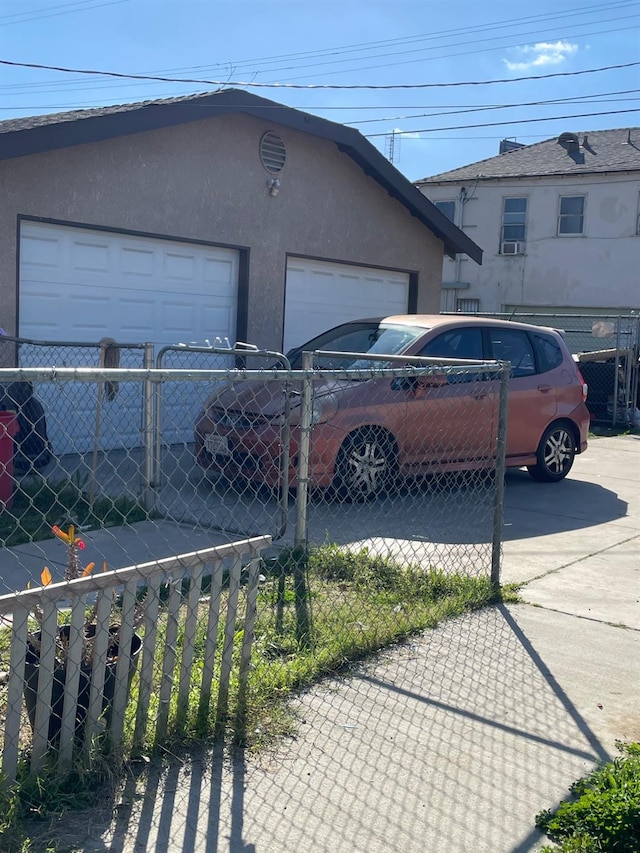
column 320, row 295
column 83, row 285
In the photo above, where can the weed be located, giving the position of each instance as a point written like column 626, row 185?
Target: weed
column 604, row 814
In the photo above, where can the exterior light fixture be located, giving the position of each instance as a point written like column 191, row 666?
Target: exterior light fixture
column 274, row 186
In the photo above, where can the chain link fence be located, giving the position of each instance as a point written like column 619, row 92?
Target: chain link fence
column 381, row 485
column 607, row 349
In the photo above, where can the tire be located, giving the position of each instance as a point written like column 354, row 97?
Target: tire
column 366, row 466
column 555, row 454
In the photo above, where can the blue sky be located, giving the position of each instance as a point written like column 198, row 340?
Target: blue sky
column 364, row 43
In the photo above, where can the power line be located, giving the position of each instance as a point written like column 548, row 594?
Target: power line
column 341, row 86
column 511, row 122
column 455, row 108
column 481, row 50
column 432, row 36
column 440, row 46
column 52, row 14
column 460, row 108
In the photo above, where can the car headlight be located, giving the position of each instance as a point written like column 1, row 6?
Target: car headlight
column 323, row 409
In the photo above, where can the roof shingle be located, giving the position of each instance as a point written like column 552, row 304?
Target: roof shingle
column 598, row 151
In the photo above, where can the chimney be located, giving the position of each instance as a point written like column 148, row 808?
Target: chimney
column 569, row 142
column 507, row 145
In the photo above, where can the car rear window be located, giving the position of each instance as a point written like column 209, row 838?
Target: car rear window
column 515, row 346
column 548, row 350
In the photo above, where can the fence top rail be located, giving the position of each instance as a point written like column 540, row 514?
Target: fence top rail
column 508, row 315
column 72, row 344
column 117, row 577
column 96, row 374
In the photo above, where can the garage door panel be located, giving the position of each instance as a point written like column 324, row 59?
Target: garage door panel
column 91, row 257
column 321, row 294
column 179, row 267
column 40, row 252
column 77, row 284
column 137, row 262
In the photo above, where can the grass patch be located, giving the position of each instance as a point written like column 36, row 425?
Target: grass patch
column 604, row 813
column 38, row 504
column 358, row 603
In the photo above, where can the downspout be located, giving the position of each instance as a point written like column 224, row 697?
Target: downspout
column 460, row 224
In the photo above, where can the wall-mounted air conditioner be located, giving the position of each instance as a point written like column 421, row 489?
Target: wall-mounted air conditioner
column 512, row 248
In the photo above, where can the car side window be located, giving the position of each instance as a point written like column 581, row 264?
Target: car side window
column 515, row 346
column 455, row 343
column 548, row 350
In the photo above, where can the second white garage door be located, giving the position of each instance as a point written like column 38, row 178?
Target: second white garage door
column 320, row 295
column 82, row 285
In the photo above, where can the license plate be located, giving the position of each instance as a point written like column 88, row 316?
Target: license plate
column 217, row 445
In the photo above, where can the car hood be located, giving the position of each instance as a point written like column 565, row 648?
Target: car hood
column 267, row 398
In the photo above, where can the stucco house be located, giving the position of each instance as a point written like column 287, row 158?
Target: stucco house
column 558, row 221
column 214, row 215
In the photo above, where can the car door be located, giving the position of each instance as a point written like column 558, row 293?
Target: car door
column 450, row 419
column 532, row 397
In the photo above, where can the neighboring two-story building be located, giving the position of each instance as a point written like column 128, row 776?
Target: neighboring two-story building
column 559, row 223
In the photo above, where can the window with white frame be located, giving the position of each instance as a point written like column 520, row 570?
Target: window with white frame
column 571, row 215
column 514, row 226
column 448, row 208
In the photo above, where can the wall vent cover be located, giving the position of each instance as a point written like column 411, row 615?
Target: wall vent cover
column 272, row 152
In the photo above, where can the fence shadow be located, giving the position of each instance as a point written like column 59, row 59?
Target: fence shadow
column 451, row 741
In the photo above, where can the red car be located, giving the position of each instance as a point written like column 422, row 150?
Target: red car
column 366, row 433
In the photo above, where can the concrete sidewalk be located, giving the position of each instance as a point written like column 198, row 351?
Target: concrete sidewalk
column 454, row 741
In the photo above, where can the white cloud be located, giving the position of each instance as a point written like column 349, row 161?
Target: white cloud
column 407, row 134
column 540, row 55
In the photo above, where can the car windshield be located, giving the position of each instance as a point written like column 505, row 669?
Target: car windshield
column 367, row 336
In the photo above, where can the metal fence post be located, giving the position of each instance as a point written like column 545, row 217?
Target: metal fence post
column 498, row 495
column 148, row 494
column 616, row 378
column 303, row 454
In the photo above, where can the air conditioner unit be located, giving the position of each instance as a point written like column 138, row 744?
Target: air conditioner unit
column 512, row 248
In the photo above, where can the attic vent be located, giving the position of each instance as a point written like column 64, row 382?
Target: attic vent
column 569, row 141
column 272, row 152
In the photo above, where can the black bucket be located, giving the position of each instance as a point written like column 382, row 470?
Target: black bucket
column 32, row 676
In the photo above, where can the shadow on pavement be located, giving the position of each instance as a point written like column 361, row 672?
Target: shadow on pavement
column 451, row 741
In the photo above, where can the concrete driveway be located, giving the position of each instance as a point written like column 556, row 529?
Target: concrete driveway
column 453, row 741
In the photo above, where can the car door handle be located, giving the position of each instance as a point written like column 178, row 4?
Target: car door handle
column 544, row 389
column 480, row 395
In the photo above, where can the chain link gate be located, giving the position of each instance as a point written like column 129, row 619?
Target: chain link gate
column 217, row 503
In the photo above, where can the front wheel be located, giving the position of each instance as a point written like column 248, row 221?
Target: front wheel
column 555, row 454
column 366, row 465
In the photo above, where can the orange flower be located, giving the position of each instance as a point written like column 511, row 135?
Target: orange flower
column 69, row 538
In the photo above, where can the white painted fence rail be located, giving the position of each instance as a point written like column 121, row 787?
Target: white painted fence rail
column 163, row 580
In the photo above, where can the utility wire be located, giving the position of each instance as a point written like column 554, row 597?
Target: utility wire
column 51, row 14
column 403, row 40
column 341, row 86
column 468, row 108
column 453, row 44
column 452, row 109
column 501, row 123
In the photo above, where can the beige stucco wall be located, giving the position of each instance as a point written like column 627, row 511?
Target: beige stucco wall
column 205, row 181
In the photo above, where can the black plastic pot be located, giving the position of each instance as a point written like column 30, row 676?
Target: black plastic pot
column 32, row 676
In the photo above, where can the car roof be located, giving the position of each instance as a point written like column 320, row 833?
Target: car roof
column 443, row 321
